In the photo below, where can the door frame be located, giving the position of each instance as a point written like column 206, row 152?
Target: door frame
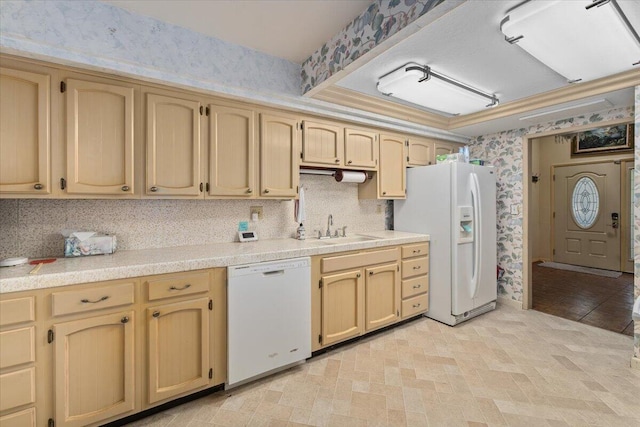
column 527, row 243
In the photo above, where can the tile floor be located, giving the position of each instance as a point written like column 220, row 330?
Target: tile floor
column 508, row 367
column 594, row 300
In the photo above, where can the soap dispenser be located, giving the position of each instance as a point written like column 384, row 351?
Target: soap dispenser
column 300, row 235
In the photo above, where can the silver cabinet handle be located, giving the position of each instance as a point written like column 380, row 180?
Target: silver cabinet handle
column 266, row 190
column 156, row 314
column 86, row 301
column 125, row 188
column 417, row 286
column 38, row 186
column 125, row 319
column 175, row 288
column 249, row 191
column 154, row 189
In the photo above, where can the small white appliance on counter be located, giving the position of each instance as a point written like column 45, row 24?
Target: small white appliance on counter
column 455, row 203
column 268, row 318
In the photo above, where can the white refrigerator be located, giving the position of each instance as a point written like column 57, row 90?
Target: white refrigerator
column 455, row 203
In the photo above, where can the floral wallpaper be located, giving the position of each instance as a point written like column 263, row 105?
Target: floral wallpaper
column 504, row 151
column 381, row 20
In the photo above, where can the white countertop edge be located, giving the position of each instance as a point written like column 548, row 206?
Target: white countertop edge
column 147, row 262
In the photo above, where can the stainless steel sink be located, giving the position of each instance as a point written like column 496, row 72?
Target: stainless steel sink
column 351, row 239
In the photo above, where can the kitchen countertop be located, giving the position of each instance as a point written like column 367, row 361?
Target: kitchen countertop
column 146, row 262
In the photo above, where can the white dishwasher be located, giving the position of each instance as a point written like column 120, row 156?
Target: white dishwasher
column 268, row 318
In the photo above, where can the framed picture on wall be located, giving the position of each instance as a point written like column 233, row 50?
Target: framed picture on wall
column 605, row 139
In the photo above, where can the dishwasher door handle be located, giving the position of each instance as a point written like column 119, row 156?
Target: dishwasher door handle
column 273, row 273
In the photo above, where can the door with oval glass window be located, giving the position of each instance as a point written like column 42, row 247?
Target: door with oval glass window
column 587, row 215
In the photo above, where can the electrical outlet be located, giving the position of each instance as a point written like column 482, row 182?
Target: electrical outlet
column 379, row 209
column 257, row 210
column 515, row 209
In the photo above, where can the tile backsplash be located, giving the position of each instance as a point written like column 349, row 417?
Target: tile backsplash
column 31, row 227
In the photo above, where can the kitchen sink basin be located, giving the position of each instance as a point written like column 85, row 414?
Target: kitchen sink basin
column 351, row 239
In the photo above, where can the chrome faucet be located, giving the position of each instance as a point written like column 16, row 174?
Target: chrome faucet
column 329, row 224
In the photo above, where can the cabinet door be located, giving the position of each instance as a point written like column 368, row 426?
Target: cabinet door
column 361, row 149
column 232, row 152
column 442, row 147
column 382, row 290
column 99, row 123
column 342, row 306
column 24, row 133
column 178, row 348
column 94, row 369
column 279, row 153
column 392, row 174
column 322, row 144
column 420, row 152
column 173, row 146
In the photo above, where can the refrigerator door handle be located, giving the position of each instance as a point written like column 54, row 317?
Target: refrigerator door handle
column 476, row 202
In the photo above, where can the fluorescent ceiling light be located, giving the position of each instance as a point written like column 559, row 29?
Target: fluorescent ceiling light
column 578, row 39
column 423, row 86
column 570, row 111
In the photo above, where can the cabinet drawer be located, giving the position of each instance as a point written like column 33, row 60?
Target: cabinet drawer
column 344, row 262
column 420, row 249
column 415, row 286
column 415, row 305
column 17, row 347
column 17, row 388
column 26, row 418
column 89, row 299
column 415, row 267
column 176, row 285
column 17, row 310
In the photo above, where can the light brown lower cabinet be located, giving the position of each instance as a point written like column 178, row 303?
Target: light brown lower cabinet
column 342, row 306
column 178, row 335
column 94, row 368
column 90, row 354
column 354, row 293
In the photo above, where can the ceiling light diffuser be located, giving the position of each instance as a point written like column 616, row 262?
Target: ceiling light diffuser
column 423, row 86
column 580, row 40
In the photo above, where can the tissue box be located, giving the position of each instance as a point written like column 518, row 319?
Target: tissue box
column 89, row 243
column 450, row 158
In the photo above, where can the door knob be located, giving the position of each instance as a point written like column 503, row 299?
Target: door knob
column 615, row 220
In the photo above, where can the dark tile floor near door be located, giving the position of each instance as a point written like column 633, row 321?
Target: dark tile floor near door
column 594, row 300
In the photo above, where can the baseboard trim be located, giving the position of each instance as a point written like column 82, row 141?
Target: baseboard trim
column 635, row 362
column 510, row 302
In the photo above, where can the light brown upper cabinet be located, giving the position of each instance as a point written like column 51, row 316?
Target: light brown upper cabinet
column 279, row 154
column 444, row 147
column 390, row 181
column 25, row 145
column 232, row 152
column 100, row 138
column 420, row 151
column 322, row 144
column 361, row 149
column 173, row 158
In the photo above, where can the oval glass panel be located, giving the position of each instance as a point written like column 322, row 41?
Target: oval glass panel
column 585, row 202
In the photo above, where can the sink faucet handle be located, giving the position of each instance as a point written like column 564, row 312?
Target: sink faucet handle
column 344, row 231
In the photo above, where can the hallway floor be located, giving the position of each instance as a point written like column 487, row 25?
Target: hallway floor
column 507, row 367
column 594, row 300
